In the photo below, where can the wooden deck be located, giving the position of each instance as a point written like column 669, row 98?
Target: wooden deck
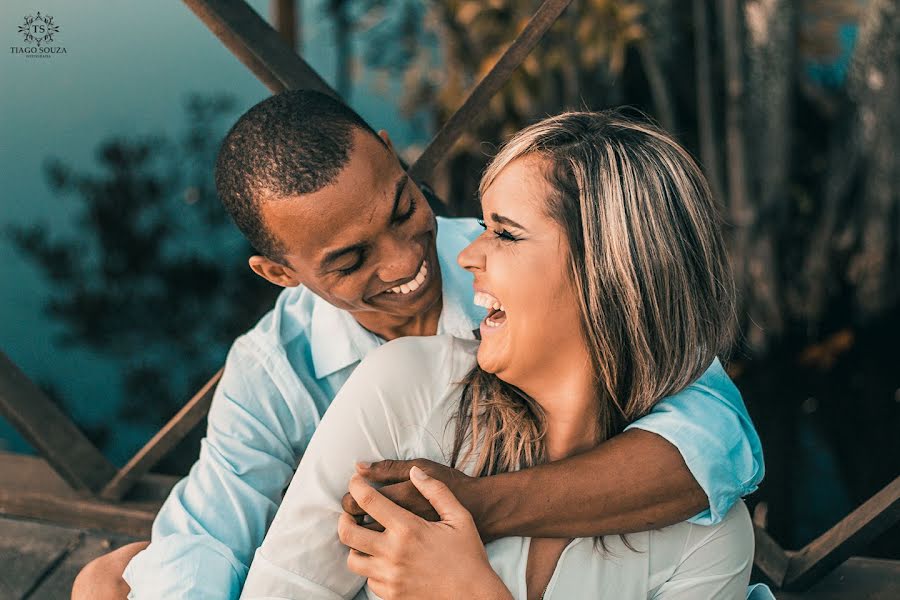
column 40, row 560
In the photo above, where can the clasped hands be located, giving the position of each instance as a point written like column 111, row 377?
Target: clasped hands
column 422, row 543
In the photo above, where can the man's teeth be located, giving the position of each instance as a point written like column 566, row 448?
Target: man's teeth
column 487, row 301
column 414, row 283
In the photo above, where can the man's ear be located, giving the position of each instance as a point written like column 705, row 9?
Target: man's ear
column 273, row 272
column 387, row 140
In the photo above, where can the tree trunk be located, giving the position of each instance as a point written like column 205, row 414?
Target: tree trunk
column 875, row 87
column 706, row 115
column 770, row 43
column 740, row 212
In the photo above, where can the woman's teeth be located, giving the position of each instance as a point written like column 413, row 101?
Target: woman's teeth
column 496, row 311
column 414, row 283
column 487, row 301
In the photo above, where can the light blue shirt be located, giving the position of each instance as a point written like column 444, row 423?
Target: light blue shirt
column 280, row 378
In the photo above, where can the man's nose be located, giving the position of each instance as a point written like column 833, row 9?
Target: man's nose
column 472, row 257
column 402, row 259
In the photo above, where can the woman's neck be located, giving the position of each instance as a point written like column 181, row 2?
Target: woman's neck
column 569, row 401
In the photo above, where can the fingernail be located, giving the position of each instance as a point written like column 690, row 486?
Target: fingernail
column 418, row 474
column 363, row 465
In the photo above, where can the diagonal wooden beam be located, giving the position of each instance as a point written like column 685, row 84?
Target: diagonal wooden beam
column 769, row 558
column 467, row 114
column 163, row 442
column 258, row 46
column 50, row 431
column 875, row 516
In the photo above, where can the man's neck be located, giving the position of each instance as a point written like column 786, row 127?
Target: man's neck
column 390, row 327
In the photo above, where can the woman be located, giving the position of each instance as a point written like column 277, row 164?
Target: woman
column 607, row 287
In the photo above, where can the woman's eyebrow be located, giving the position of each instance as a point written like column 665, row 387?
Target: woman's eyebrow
column 506, row 221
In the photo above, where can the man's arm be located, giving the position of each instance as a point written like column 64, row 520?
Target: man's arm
column 206, row 532
column 693, row 456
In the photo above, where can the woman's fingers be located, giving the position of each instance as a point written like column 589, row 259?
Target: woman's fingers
column 377, row 506
column 361, row 564
column 357, row 537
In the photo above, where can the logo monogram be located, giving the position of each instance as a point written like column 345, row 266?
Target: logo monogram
column 38, row 31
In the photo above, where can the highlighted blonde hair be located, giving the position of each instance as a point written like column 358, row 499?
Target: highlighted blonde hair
column 648, row 265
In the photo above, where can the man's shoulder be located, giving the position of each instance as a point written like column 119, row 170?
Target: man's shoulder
column 265, row 345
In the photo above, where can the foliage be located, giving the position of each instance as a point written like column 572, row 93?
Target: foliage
column 152, row 275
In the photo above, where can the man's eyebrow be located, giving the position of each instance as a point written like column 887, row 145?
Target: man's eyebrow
column 340, row 253
column 506, row 221
column 398, row 191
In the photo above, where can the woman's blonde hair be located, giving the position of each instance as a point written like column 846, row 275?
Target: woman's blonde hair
column 647, row 263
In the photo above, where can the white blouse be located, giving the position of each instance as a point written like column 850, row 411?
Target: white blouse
column 399, row 404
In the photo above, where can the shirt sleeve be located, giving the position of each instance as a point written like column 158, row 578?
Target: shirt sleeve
column 716, row 561
column 376, row 415
column 208, row 528
column 709, row 424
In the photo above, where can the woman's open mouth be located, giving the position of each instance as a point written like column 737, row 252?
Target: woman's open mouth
column 496, row 316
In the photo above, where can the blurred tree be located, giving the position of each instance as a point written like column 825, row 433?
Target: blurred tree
column 153, row 276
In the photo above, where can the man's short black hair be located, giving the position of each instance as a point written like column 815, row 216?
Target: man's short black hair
column 292, row 143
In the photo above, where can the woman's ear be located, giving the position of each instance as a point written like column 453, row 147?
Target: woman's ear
column 273, row 272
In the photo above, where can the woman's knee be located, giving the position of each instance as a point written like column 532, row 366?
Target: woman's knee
column 101, row 579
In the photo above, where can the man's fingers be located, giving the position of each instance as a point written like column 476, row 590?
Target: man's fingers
column 377, row 506
column 439, row 495
column 350, row 506
column 387, row 472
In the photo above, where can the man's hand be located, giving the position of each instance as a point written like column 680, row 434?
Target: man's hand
column 394, row 476
column 414, row 558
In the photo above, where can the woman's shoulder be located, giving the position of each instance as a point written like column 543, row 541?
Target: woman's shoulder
column 416, row 374
column 433, row 359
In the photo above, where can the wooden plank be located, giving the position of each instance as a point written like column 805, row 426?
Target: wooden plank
column 869, row 578
column 164, row 441
column 478, row 98
column 50, row 431
column 58, row 583
column 30, row 489
column 769, row 559
column 258, row 46
column 28, row 551
column 851, row 535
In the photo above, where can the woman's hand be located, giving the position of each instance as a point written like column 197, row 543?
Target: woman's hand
column 415, row 558
column 394, row 476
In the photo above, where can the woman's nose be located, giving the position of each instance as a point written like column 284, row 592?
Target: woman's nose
column 472, row 258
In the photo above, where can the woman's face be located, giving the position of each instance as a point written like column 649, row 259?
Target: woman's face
column 520, row 263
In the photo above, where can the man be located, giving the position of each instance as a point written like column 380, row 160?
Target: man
column 339, row 224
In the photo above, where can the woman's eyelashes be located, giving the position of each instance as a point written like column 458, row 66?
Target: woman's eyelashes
column 501, row 234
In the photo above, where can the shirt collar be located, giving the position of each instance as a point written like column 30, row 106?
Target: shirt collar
column 337, row 340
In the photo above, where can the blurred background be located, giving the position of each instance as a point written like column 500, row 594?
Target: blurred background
column 123, row 282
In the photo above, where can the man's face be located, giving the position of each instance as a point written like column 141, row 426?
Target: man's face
column 366, row 242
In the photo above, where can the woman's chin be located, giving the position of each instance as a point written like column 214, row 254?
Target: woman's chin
column 490, row 360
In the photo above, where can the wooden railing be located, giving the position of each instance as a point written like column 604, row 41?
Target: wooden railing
column 76, row 484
